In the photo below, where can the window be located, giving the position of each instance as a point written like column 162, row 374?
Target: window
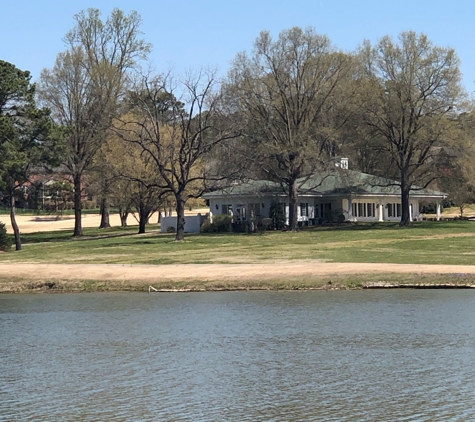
column 255, row 210
column 303, row 209
column 318, row 214
column 240, row 213
column 363, row 209
column 227, row 209
column 394, row 210
column 371, row 209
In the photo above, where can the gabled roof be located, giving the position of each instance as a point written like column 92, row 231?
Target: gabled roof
column 329, row 183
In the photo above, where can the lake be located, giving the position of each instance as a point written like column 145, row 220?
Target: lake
column 384, row 355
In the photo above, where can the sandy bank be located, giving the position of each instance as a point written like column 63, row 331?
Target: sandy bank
column 280, row 275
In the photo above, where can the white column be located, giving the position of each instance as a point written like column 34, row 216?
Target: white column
column 381, row 213
column 350, row 210
column 438, row 210
column 410, row 213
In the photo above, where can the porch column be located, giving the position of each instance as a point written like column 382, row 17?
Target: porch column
column 410, row 213
column 350, row 210
column 381, row 213
column 438, row 210
column 210, row 216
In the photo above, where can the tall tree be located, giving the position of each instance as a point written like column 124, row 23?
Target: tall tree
column 86, row 84
column 457, row 164
column 286, row 92
column 411, row 105
column 132, row 179
column 25, row 135
column 178, row 134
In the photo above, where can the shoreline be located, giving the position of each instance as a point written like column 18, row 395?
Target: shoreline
column 276, row 276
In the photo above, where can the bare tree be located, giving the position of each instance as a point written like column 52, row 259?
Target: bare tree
column 286, row 92
column 411, row 106
column 177, row 124
column 85, row 86
column 132, row 181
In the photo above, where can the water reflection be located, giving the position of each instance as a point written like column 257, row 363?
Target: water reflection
column 295, row 356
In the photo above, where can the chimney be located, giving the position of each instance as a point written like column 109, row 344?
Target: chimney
column 342, row 163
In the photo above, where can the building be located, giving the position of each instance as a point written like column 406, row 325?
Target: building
column 336, row 195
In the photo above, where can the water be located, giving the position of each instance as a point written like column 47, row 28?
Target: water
column 243, row 356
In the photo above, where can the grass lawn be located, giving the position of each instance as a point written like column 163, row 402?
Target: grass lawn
column 444, row 242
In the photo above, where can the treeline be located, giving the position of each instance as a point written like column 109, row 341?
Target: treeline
column 149, row 140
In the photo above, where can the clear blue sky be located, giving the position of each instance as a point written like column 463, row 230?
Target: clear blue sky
column 189, row 34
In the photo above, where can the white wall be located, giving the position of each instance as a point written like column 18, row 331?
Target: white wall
column 192, row 223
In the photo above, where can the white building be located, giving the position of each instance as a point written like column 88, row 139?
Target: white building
column 338, row 195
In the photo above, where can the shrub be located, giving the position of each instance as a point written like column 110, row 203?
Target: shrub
column 89, row 205
column 5, row 239
column 337, row 216
column 266, row 223
column 277, row 215
column 222, row 223
column 240, row 227
column 170, row 229
column 207, row 227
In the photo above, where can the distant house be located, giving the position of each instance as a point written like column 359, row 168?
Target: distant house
column 335, row 195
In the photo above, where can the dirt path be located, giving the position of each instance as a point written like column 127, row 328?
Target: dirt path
column 218, row 272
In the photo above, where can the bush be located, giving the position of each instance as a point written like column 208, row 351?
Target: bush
column 222, row 223
column 5, row 239
column 241, row 227
column 170, row 229
column 277, row 215
column 337, row 216
column 265, row 223
column 207, row 227
column 89, row 205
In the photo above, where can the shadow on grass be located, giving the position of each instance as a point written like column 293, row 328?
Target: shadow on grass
column 66, row 235
column 389, row 226
column 131, row 232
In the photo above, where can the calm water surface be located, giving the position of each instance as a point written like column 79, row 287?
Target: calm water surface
column 243, row 356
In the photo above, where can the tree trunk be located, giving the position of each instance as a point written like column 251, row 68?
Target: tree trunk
column 77, row 206
column 16, row 230
column 143, row 218
column 180, row 216
column 105, row 210
column 123, row 214
column 293, row 205
column 405, row 203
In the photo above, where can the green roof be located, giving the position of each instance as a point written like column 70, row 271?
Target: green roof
column 329, row 183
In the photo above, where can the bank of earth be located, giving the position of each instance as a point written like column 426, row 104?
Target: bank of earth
column 218, row 277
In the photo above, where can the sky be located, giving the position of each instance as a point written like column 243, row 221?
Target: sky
column 191, row 34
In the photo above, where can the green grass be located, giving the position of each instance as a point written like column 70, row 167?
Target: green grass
column 447, row 242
